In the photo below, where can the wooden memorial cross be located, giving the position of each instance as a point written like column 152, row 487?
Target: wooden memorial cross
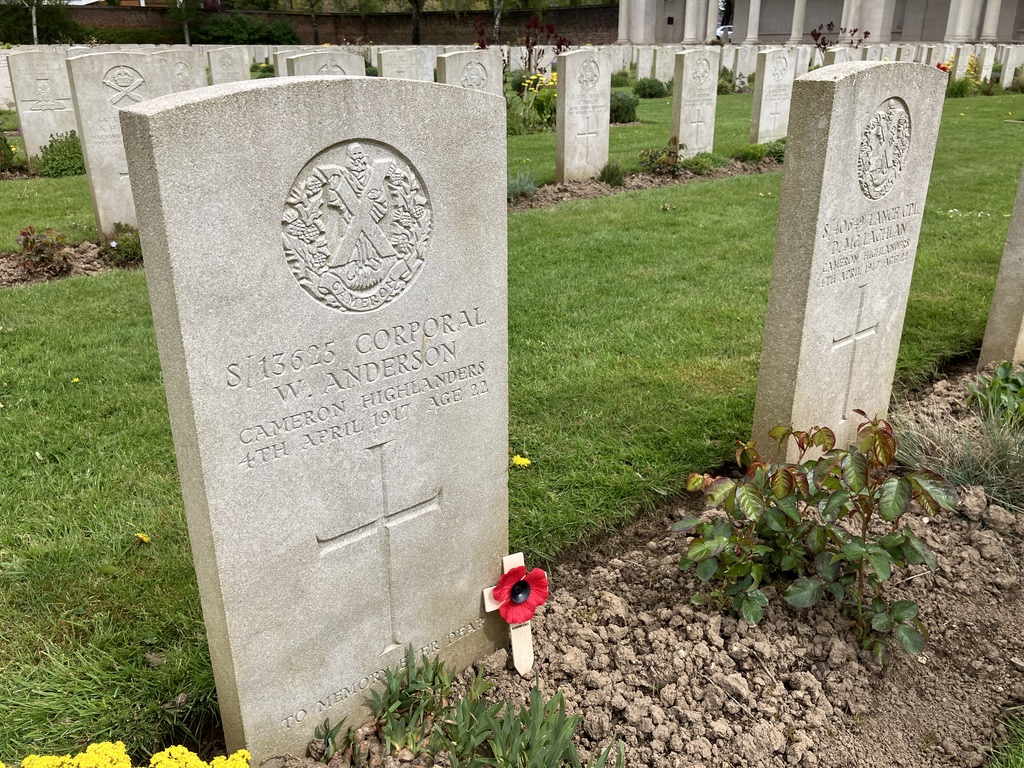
column 522, row 637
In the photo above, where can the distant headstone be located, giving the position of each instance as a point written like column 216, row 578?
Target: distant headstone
column 6, row 92
column 988, row 60
column 188, row 68
column 961, row 61
column 838, row 54
column 229, row 65
column 746, row 65
column 426, row 56
column 773, row 89
column 43, row 96
column 871, row 53
column 665, row 62
column 850, row 213
column 728, row 60
column 102, row 84
column 1004, row 334
column 402, row 64
column 644, row 62
column 907, row 53
column 1014, row 59
column 582, row 121
column 803, row 58
column 694, row 98
column 477, row 70
column 326, row 63
column 334, row 353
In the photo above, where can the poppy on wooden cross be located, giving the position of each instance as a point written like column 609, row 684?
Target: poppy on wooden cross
column 516, row 597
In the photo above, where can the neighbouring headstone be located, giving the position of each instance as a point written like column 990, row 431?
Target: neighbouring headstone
column 858, row 161
column 6, row 92
column 43, row 96
column 907, row 53
column 1004, row 334
column 477, row 70
column 1014, row 59
column 694, row 98
column 188, row 68
column 334, row 352
column 746, row 65
column 644, row 61
column 988, row 60
column 803, row 58
column 102, row 84
column 403, row 64
column 582, row 121
column 837, row 54
column 327, row 63
column 773, row 89
column 426, row 55
column 230, row 65
column 961, row 61
column 665, row 62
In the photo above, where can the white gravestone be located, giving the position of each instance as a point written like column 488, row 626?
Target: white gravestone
column 1014, row 59
column 773, row 89
column 665, row 62
column 582, row 121
column 645, row 62
column 43, row 94
column 402, row 64
column 230, row 65
column 326, row 64
column 1004, row 334
column 694, row 98
column 858, row 160
column 334, row 352
column 477, row 70
column 188, row 68
column 6, row 92
column 102, row 84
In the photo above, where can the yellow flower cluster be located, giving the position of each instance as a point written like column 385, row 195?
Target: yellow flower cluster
column 534, row 83
column 520, row 461
column 113, row 755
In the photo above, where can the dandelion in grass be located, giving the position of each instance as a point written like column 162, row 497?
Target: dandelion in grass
column 143, row 538
column 521, row 593
column 75, row 380
column 520, row 461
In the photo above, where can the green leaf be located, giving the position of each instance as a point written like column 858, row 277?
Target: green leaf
column 836, row 504
column 701, row 549
column 718, row 490
column 752, row 606
column 855, row 471
column 880, row 562
column 782, row 484
column 881, row 622
column 816, row 540
column 790, row 563
column 750, row 501
column 911, row 640
column 685, row 563
column 854, row 550
column 920, row 549
column 804, row 592
column 895, row 497
column 932, row 491
column 688, row 523
column 757, row 574
column 706, row 569
column 825, row 568
column 775, row 518
column 885, row 448
column 903, row 610
column 788, row 506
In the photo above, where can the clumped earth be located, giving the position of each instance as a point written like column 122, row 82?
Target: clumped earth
column 82, row 259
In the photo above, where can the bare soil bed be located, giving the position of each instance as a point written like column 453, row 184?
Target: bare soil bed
column 81, row 259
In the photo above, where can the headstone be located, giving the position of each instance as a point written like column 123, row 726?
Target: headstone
column 988, row 59
column 645, row 62
column 582, row 120
column 102, row 84
column 188, row 68
column 889, row 52
column 1014, row 59
column 665, row 62
column 803, row 59
column 907, row 53
column 229, row 65
column 516, row 58
column 849, row 218
column 837, row 54
column 773, row 89
column 694, row 98
column 479, row 70
column 402, row 64
column 961, row 61
column 43, row 95
column 326, row 63
column 334, row 353
column 746, row 65
column 871, row 53
column 1004, row 334
column 426, row 56
column 6, row 92
column 728, row 59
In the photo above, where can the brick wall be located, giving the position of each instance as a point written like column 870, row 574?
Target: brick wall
column 593, row 24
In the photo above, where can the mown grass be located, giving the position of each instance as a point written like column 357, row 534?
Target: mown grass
column 635, row 326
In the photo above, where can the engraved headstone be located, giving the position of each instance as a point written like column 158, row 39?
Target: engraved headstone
column 583, row 116
column 838, row 54
column 746, row 65
column 229, row 65
column 334, row 63
column 1004, row 334
column 988, row 59
column 402, row 64
column 803, row 58
column 43, row 96
column 477, row 70
column 1014, row 59
column 858, row 160
column 188, row 67
column 644, row 61
column 694, row 98
column 102, row 84
column 665, row 62
column 773, row 89
column 6, row 92
column 334, row 352
column 961, row 61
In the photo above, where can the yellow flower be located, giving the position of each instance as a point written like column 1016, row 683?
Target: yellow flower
column 75, row 380
column 142, row 537
column 520, row 461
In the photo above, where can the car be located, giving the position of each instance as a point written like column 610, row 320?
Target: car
column 724, row 33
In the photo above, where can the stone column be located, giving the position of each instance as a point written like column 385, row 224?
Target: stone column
column 712, row 25
column 796, row 36
column 690, row 23
column 961, row 15
column 990, row 26
column 753, row 22
column 851, row 19
column 623, row 22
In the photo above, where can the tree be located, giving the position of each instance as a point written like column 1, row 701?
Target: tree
column 47, row 21
column 187, row 11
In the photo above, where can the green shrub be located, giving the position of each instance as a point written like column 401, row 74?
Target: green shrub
column 61, row 157
column 8, row 120
column 239, row 29
column 521, row 184
column 958, row 89
column 612, row 174
column 371, row 71
column 516, row 81
column 650, row 88
column 515, row 121
column 131, row 36
column 123, row 249
column 1001, row 395
column 776, row 150
column 661, row 161
column 752, row 153
column 8, row 161
column 43, row 253
column 622, row 79
column 623, row 107
column 703, row 163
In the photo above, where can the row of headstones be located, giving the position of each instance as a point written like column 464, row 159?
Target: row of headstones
column 334, row 349
column 658, row 62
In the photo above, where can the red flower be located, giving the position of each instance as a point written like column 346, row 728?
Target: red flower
column 521, row 593
column 942, row 66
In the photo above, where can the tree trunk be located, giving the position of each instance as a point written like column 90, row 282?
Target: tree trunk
column 184, row 28
column 312, row 17
column 496, row 35
column 35, row 29
column 415, row 21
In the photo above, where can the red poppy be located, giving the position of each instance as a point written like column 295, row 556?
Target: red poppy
column 521, row 593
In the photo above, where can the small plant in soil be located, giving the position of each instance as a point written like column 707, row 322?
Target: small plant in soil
column 43, row 253
column 832, row 525
column 1001, row 395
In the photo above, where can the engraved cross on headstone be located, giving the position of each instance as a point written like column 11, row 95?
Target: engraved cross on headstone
column 773, row 115
column 380, row 528
column 585, row 135
column 860, row 333
column 698, row 124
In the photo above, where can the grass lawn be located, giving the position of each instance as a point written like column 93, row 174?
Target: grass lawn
column 635, row 331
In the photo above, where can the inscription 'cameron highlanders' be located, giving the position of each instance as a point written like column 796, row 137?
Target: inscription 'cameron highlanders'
column 332, row 330
column 858, row 159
